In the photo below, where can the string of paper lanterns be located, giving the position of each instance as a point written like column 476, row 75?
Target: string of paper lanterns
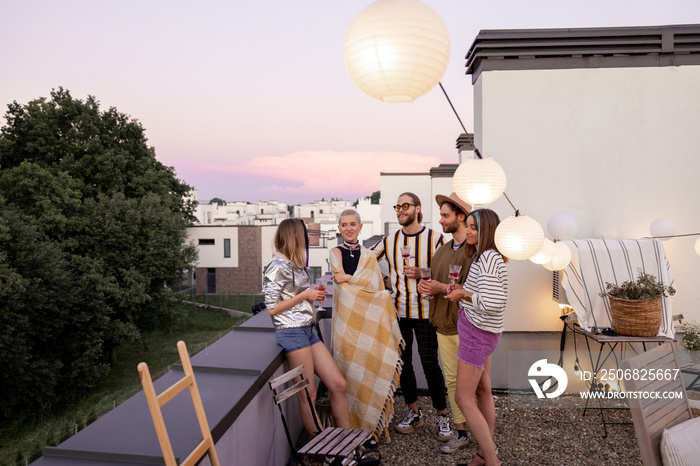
column 398, row 50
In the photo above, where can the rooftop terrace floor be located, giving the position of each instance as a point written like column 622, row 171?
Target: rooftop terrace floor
column 557, row 436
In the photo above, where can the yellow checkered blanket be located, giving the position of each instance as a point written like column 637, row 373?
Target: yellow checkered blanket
column 367, row 344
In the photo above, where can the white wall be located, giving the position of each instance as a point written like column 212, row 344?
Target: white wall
column 213, row 255
column 615, row 147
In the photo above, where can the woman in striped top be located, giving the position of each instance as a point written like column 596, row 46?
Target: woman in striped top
column 482, row 302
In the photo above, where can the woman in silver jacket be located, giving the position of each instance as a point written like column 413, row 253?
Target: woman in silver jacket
column 289, row 300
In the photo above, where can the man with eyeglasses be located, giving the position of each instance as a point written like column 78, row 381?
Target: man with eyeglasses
column 413, row 310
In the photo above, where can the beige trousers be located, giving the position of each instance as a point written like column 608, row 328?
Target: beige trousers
column 447, row 345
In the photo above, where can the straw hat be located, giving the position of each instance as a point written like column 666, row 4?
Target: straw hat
column 454, row 199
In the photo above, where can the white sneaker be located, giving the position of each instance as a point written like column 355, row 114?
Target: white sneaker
column 454, row 444
column 445, row 432
column 410, row 421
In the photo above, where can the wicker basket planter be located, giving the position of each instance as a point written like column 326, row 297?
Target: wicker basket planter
column 636, row 318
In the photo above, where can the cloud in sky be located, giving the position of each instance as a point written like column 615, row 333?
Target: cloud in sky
column 314, row 174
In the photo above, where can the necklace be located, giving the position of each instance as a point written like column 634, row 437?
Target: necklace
column 352, row 247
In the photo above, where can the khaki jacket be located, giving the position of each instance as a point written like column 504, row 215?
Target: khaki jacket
column 443, row 313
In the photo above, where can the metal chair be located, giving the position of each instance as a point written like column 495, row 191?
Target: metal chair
column 156, row 402
column 331, row 442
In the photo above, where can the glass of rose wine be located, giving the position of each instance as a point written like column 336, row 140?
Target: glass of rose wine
column 405, row 254
column 425, row 276
column 321, row 284
column 454, row 273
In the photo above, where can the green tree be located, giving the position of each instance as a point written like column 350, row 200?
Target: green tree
column 375, row 197
column 92, row 228
column 217, row 200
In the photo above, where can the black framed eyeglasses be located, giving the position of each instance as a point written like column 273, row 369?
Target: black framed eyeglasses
column 404, row 206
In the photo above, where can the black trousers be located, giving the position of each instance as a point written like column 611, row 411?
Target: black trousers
column 426, row 338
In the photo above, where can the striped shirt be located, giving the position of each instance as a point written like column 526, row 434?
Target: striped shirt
column 408, row 302
column 488, row 280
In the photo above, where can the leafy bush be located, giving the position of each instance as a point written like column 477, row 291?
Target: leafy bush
column 645, row 287
column 91, row 228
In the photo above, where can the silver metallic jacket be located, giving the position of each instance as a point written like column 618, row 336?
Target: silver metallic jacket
column 283, row 280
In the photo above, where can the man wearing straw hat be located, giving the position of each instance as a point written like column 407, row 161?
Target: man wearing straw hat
column 443, row 313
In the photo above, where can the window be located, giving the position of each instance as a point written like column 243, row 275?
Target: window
column 206, row 242
column 314, row 273
column 227, row 247
column 320, row 211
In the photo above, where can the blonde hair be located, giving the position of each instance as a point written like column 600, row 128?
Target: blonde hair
column 291, row 240
column 347, row 212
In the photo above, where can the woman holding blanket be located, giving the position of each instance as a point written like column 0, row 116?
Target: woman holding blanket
column 289, row 300
column 482, row 302
column 367, row 340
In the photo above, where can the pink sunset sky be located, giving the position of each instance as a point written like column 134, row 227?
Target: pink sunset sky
column 250, row 100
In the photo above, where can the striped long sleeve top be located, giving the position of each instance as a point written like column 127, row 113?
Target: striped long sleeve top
column 488, row 280
column 408, row 302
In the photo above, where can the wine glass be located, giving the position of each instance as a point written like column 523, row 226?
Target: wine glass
column 320, row 286
column 425, row 276
column 405, row 253
column 454, row 273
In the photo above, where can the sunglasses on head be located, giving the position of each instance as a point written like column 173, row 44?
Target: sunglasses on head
column 404, row 206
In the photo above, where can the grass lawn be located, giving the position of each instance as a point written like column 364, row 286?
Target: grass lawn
column 25, row 438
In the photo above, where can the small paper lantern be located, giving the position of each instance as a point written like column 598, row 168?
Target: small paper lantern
column 562, row 226
column 519, row 238
column 662, row 227
column 479, row 181
column 697, row 247
column 560, row 258
column 397, row 50
column 545, row 254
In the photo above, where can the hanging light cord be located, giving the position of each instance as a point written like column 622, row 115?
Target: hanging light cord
column 673, row 236
column 471, row 141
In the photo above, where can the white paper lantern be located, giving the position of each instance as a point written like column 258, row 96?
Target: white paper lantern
column 397, row 50
column 519, row 238
column 545, row 254
column 562, row 226
column 662, row 227
column 479, row 181
column 560, row 258
column 697, row 247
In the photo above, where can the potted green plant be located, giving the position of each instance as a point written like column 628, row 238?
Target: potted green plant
column 635, row 306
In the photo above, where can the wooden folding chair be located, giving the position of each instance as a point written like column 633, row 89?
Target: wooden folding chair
column 651, row 416
column 331, row 442
column 156, row 402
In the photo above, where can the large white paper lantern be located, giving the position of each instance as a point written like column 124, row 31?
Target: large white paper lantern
column 662, row 227
column 562, row 226
column 560, row 258
column 545, row 254
column 519, row 238
column 397, row 50
column 479, row 181
column 697, row 247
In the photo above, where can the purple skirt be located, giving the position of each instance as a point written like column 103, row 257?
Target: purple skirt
column 475, row 345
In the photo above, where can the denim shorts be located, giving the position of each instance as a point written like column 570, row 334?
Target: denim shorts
column 292, row 339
